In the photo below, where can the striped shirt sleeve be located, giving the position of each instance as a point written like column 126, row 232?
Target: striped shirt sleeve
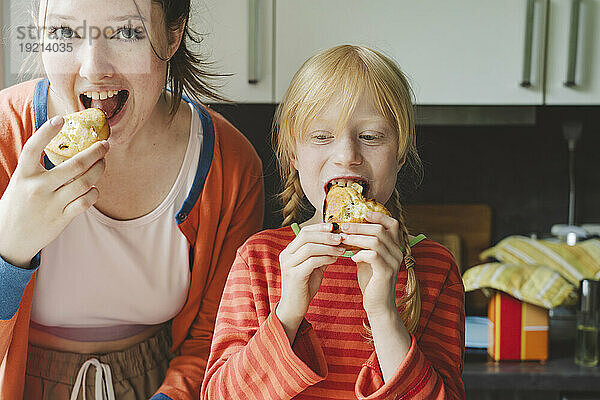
column 432, row 369
column 251, row 358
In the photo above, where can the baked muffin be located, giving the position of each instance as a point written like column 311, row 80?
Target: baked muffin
column 80, row 130
column 347, row 204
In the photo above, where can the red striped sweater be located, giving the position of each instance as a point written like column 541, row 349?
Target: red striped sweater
column 251, row 357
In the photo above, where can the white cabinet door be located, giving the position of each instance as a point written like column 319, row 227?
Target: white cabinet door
column 454, row 52
column 234, row 49
column 573, row 76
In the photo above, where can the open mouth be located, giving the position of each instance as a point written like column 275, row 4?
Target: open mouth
column 111, row 101
column 361, row 185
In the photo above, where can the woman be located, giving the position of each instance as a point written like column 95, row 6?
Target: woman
column 117, row 257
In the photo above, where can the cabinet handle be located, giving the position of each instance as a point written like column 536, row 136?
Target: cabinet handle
column 527, row 53
column 253, row 9
column 573, row 39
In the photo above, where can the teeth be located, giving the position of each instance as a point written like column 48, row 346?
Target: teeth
column 348, row 183
column 342, row 182
column 357, row 186
column 101, row 95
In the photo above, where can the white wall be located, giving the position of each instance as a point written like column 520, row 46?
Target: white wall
column 2, row 69
column 13, row 13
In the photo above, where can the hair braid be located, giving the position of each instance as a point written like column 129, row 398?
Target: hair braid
column 291, row 197
column 411, row 301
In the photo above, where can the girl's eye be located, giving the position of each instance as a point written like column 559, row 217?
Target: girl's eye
column 370, row 136
column 129, row 33
column 320, row 136
column 62, row 32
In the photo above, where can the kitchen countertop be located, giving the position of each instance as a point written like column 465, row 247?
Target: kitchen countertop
column 559, row 374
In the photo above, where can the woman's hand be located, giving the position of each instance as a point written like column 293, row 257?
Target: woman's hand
column 378, row 261
column 38, row 204
column 303, row 264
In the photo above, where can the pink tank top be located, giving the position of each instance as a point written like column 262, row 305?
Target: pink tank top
column 106, row 279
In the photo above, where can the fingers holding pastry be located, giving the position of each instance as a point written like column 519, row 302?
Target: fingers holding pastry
column 83, row 183
column 82, row 203
column 390, row 223
column 372, row 235
column 80, row 130
column 312, row 243
column 317, row 233
column 364, row 236
column 79, row 164
column 29, row 160
column 32, row 211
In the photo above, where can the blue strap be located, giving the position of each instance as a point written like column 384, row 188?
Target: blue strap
column 40, row 102
column 160, row 396
column 40, row 99
column 204, row 163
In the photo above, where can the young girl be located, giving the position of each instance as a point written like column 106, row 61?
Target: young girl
column 298, row 319
column 115, row 260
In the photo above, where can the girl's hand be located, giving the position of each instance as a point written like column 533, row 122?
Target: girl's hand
column 303, row 264
column 38, row 204
column 378, row 262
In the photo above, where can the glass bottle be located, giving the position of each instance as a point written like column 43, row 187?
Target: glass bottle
column 588, row 320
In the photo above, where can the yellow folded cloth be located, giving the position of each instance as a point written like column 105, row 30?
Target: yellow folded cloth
column 574, row 263
column 535, row 284
column 540, row 272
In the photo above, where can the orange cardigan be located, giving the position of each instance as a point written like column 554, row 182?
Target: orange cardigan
column 224, row 208
column 251, row 356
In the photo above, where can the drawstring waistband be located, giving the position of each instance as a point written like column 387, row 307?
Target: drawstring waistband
column 134, row 372
column 103, row 384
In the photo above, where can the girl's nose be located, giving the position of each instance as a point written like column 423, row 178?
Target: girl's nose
column 94, row 60
column 347, row 152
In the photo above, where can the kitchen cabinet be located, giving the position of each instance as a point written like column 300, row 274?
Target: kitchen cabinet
column 237, row 37
column 573, row 62
column 466, row 52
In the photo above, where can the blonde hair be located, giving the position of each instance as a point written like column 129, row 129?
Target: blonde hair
column 344, row 72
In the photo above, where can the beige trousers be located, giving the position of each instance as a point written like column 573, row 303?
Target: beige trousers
column 130, row 374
